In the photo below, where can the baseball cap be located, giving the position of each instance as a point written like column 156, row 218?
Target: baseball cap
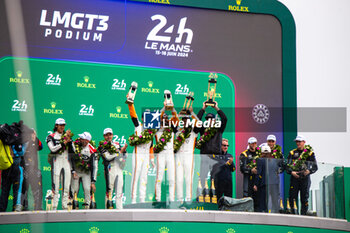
column 86, row 136
column 299, row 138
column 60, row 121
column 107, row 130
column 271, row 137
column 209, row 115
column 265, row 149
column 252, row 140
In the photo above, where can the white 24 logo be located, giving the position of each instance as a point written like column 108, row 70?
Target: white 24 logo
column 56, row 80
column 18, row 106
column 153, row 35
column 89, row 111
column 181, row 89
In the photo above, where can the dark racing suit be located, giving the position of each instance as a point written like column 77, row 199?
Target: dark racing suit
column 302, row 183
column 248, row 177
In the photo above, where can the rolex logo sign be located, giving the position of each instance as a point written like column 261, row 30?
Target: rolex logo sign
column 24, row 230
column 19, row 79
column 86, row 83
column 94, row 230
column 118, row 114
column 86, row 79
column 150, row 88
column 164, row 230
column 53, row 109
column 238, row 7
column 19, row 74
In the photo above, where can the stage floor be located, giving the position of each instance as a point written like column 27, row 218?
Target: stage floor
column 180, row 216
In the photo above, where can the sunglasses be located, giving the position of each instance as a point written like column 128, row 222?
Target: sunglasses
column 225, row 145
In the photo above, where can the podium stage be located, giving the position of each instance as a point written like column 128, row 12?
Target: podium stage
column 164, row 221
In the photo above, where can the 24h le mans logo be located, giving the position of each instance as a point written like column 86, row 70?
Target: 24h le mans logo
column 260, row 113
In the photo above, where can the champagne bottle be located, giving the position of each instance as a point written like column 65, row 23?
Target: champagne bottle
column 281, row 206
column 93, row 202
column 295, row 208
column 109, row 201
column 214, row 198
column 288, row 210
column 206, row 193
column 75, row 202
column 199, row 192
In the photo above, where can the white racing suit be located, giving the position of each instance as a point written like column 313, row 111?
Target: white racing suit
column 89, row 156
column 60, row 166
column 140, row 161
column 113, row 166
column 184, row 159
column 165, row 158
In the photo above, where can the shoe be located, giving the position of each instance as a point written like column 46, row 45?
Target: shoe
column 18, row 208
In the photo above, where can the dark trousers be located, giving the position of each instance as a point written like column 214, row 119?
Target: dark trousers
column 301, row 185
column 33, row 178
column 223, row 188
column 274, row 194
column 261, row 197
column 248, row 191
column 13, row 176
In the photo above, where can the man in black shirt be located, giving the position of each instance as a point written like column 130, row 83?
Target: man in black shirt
column 213, row 145
column 301, row 163
column 222, row 171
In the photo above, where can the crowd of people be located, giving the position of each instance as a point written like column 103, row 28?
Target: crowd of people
column 170, row 148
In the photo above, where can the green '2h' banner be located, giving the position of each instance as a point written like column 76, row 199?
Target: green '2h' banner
column 91, row 97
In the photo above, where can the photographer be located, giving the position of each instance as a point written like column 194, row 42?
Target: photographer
column 32, row 174
column 13, row 176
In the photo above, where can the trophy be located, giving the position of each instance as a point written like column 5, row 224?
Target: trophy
column 211, row 90
column 132, row 92
column 70, row 204
column 187, row 104
column 169, row 105
column 49, row 200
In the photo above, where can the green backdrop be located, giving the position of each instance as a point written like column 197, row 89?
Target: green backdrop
column 91, row 97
